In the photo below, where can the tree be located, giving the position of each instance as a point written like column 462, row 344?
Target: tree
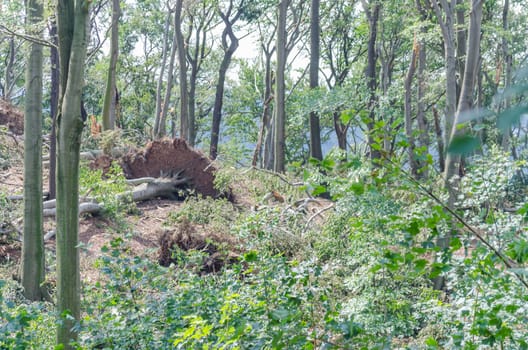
column 200, row 18
column 315, row 129
column 182, row 60
column 54, row 105
column 372, row 11
column 446, row 20
column 72, row 23
column 33, row 245
column 160, row 105
column 110, row 98
column 229, row 46
column 465, row 102
column 280, row 93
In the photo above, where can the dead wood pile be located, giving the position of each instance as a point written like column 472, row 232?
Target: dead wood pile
column 219, row 250
column 11, row 117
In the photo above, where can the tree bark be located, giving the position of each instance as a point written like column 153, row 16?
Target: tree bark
column 408, row 111
column 109, row 105
column 160, row 129
column 421, row 119
column 229, row 50
column 72, row 21
column 184, row 97
column 159, row 86
column 468, row 85
column 447, row 26
column 372, row 10
column 507, row 64
column 280, row 93
column 315, row 128
column 33, row 244
column 54, row 106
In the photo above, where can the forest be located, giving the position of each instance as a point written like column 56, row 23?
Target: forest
column 257, row 174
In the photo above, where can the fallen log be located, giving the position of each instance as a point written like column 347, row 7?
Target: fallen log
column 149, row 188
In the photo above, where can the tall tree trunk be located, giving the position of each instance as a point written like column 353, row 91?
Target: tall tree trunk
column 280, row 93
column 109, row 105
column 461, row 42
column 421, row 119
column 33, row 244
column 54, row 106
column 184, row 97
column 160, row 129
column 159, row 86
column 229, row 50
column 9, row 80
column 372, row 10
column 409, row 132
column 453, row 161
column 263, row 146
column 507, row 67
column 468, row 85
column 315, row 128
column 447, row 26
column 72, row 21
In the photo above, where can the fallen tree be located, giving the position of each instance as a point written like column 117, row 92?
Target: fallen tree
column 146, row 188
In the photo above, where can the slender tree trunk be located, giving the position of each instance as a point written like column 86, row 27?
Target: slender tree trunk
column 468, row 85
column 229, row 50
column 54, row 106
column 408, row 110
column 262, row 148
column 72, row 21
column 315, row 128
column 161, row 130
column 33, row 244
column 461, row 42
column 453, row 161
column 184, row 97
column 159, row 86
column 280, row 94
column 507, row 66
column 9, row 80
column 109, row 105
column 370, row 74
column 341, row 131
column 421, row 119
column 448, row 32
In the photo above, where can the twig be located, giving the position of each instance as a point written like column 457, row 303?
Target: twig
column 318, row 213
column 27, row 37
column 280, row 176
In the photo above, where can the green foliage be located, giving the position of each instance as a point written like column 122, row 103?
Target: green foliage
column 218, row 214
column 266, row 302
column 23, row 325
column 105, row 189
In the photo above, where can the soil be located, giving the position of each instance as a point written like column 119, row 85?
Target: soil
column 169, row 156
column 11, row 117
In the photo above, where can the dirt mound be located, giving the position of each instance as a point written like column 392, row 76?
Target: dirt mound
column 164, row 157
column 11, row 117
column 219, row 250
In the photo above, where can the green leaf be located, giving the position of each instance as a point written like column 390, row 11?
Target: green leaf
column 358, row 188
column 463, row 144
column 420, row 264
column 250, row 256
column 347, row 116
column 319, row 189
column 431, row 342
